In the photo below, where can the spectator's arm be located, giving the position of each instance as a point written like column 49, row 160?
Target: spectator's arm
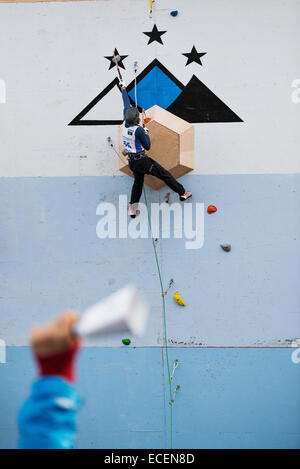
column 47, row 419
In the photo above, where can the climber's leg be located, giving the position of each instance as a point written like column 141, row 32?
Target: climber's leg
column 137, row 188
column 158, row 171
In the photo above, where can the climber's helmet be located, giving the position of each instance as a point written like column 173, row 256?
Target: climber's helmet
column 132, row 116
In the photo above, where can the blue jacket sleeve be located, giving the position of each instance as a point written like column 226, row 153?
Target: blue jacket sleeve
column 47, row 419
column 143, row 137
column 126, row 101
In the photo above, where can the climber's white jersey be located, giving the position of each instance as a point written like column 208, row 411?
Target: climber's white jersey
column 130, row 142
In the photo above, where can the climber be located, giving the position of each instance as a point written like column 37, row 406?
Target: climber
column 136, row 140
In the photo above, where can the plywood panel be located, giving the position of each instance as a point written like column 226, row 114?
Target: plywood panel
column 172, row 145
column 168, row 119
column 187, row 148
column 164, row 145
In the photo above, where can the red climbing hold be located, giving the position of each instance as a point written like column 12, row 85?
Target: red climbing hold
column 211, row 209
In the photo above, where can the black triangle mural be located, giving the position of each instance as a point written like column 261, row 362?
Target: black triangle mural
column 195, row 102
column 78, row 120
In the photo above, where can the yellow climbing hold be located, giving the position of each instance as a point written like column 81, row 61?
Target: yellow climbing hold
column 178, row 299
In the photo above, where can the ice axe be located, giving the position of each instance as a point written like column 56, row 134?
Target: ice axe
column 116, row 59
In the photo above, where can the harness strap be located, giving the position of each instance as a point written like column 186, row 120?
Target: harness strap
column 136, row 156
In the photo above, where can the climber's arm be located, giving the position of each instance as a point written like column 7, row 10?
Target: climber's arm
column 143, row 137
column 126, row 101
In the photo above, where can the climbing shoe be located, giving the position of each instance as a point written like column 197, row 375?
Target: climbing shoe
column 185, row 196
column 132, row 212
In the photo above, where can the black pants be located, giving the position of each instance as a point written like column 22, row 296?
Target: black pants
column 144, row 166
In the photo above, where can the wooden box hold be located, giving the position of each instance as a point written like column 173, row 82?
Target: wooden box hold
column 172, row 145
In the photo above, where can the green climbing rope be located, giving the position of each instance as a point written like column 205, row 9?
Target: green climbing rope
column 163, row 303
column 165, row 322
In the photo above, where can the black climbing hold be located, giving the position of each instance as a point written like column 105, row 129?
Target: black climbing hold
column 226, row 247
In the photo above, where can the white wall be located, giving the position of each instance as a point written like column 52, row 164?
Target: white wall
column 52, row 61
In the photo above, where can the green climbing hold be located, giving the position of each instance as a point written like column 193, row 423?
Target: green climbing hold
column 126, row 341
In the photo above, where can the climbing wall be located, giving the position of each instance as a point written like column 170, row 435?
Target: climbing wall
column 230, row 69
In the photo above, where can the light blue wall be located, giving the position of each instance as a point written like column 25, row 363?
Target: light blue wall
column 229, row 397
column 51, row 259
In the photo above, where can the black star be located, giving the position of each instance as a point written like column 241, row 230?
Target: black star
column 194, row 56
column 112, row 60
column 154, row 35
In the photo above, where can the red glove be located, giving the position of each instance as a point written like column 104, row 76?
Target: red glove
column 55, row 346
column 61, row 364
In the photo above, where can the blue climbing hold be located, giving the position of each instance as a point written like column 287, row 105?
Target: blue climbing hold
column 174, row 13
